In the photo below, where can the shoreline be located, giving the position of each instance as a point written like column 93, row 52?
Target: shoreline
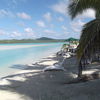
column 24, row 67
column 21, row 46
column 35, row 84
column 18, row 75
column 31, row 57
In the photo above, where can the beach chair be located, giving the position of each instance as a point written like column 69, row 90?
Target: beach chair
column 56, row 66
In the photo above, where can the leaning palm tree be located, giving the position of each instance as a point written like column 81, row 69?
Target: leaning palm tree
column 89, row 42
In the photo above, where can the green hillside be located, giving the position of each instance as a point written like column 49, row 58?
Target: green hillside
column 39, row 40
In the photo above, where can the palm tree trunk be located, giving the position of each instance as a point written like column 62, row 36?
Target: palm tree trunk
column 80, row 70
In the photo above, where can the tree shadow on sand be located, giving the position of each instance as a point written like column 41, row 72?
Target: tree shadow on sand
column 36, row 84
column 39, row 85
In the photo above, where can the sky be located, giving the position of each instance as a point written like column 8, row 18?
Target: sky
column 31, row 19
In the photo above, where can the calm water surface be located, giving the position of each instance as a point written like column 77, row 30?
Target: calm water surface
column 12, row 55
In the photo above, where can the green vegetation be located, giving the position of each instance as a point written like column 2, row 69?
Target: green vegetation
column 71, row 39
column 64, row 46
column 89, row 42
column 45, row 38
column 39, row 40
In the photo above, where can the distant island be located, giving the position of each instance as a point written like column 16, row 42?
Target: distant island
column 38, row 40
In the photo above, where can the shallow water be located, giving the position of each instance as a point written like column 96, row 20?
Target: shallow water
column 12, row 55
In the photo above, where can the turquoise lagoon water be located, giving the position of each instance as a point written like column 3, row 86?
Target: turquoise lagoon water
column 12, row 55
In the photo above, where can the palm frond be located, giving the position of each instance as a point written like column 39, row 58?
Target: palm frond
column 78, row 6
column 90, row 32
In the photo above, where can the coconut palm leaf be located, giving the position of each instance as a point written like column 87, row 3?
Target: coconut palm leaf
column 90, row 37
column 89, row 43
column 78, row 6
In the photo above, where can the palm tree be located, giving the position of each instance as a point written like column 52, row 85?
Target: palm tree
column 89, row 42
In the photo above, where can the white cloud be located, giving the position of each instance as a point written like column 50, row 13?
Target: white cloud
column 61, row 19
column 2, row 32
column 22, row 24
column 15, row 34
column 60, row 7
column 47, row 16
column 63, row 35
column 29, row 32
column 7, row 13
column 14, row 2
column 49, row 31
column 66, row 33
column 89, row 13
column 51, row 25
column 77, row 25
column 40, row 23
column 23, row 15
column 64, row 28
column 4, row 13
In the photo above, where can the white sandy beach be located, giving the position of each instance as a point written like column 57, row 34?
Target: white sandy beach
column 34, row 84
column 2, row 47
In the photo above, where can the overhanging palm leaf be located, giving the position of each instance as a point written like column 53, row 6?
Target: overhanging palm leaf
column 90, row 31
column 78, row 6
column 89, row 42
